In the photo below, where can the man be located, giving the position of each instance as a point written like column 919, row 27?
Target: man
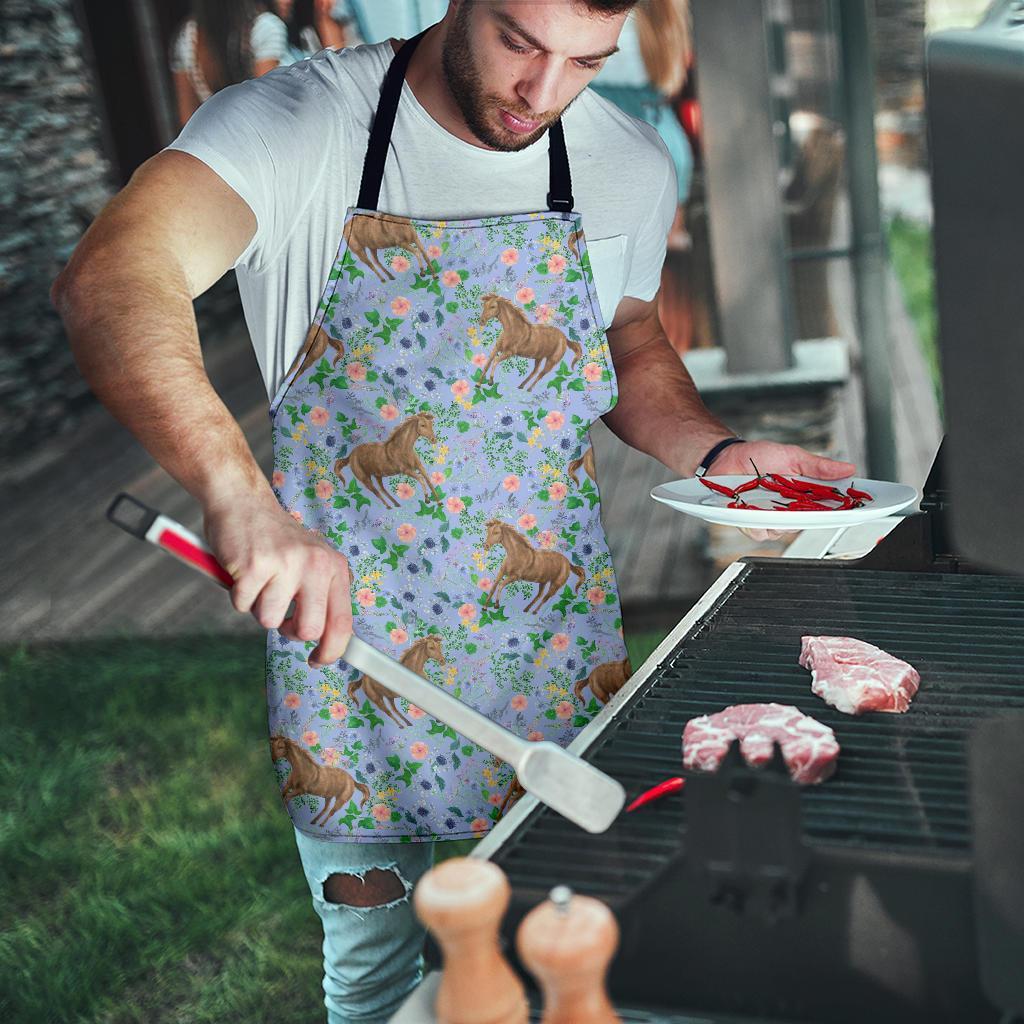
column 425, row 428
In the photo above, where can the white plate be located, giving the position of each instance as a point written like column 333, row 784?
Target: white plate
column 693, row 498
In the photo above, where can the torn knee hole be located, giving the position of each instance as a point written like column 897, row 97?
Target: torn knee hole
column 376, row 888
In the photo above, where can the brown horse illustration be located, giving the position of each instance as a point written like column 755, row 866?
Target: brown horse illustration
column 366, row 235
column 315, row 345
column 573, row 240
column 514, row 792
column 378, row 459
column 544, row 344
column 605, row 680
column 548, row 569
column 586, row 460
column 427, row 648
column 315, row 779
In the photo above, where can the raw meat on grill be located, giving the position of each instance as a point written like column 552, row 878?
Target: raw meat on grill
column 855, row 677
column 809, row 748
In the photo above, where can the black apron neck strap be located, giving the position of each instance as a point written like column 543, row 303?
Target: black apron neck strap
column 560, row 186
column 383, row 122
column 560, row 199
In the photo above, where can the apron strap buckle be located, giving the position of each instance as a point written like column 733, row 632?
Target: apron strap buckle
column 560, row 205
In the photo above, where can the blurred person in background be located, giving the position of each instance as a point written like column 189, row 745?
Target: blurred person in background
column 223, row 42
column 313, row 25
column 647, row 75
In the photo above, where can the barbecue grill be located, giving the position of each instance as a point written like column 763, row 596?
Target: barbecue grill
column 747, row 895
column 894, row 891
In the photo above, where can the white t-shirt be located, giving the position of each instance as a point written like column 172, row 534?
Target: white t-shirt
column 292, row 144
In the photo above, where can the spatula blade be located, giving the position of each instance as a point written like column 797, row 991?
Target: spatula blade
column 571, row 786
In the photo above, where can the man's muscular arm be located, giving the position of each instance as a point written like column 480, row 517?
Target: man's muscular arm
column 126, row 301
column 660, row 412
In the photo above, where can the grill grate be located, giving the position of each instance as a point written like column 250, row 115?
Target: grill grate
column 901, row 784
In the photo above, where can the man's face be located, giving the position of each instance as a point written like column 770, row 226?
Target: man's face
column 513, row 66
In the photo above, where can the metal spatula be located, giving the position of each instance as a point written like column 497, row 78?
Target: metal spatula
column 568, row 785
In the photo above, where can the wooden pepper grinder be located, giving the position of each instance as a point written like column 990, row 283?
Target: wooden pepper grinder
column 462, row 902
column 567, row 943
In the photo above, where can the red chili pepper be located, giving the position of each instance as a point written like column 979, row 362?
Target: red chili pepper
column 804, row 506
column 809, row 487
column 656, row 792
column 750, row 485
column 862, row 495
column 719, row 488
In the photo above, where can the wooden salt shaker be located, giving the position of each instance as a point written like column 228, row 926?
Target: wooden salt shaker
column 567, row 943
column 462, row 902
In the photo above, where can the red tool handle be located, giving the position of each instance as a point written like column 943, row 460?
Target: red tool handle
column 657, row 792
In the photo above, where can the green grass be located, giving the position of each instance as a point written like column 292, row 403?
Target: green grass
column 150, row 873
column 910, row 248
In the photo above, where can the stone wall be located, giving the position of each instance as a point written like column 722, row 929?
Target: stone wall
column 54, row 178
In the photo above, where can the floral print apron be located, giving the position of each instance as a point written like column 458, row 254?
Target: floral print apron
column 434, row 427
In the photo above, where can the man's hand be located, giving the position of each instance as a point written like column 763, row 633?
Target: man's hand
column 770, row 457
column 274, row 559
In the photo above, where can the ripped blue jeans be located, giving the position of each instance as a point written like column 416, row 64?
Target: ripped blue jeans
column 373, row 955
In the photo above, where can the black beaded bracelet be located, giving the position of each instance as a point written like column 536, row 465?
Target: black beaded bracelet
column 705, row 463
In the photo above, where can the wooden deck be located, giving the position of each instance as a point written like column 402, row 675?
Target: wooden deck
column 70, row 573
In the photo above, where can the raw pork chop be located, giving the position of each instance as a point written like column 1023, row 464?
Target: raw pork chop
column 855, row 677
column 808, row 747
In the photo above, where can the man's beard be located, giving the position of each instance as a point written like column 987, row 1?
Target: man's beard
column 478, row 108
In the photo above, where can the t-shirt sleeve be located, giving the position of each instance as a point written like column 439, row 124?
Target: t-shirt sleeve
column 268, row 139
column 652, row 237
column 269, row 38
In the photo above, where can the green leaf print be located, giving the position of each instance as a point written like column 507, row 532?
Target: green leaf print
column 462, row 426
column 579, row 721
column 373, row 317
column 350, row 267
column 470, row 648
column 456, row 761
column 572, row 275
column 544, row 495
column 564, row 600
column 541, row 268
column 456, row 811
column 576, row 385
column 550, row 713
column 573, row 502
column 452, row 307
column 492, row 614
column 354, row 723
column 394, row 761
column 357, row 492
column 580, row 607
column 366, row 823
column 396, row 815
column 467, row 750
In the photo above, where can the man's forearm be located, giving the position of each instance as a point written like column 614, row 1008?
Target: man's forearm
column 133, row 334
column 659, row 410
